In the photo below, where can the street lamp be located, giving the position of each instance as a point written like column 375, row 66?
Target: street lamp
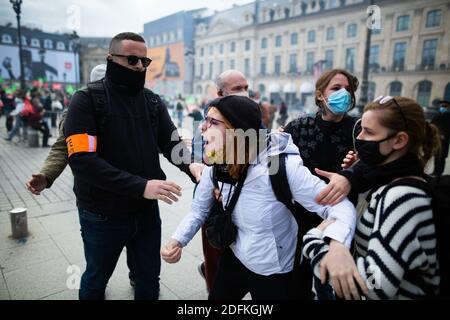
column 16, row 6
column 365, row 78
column 75, row 46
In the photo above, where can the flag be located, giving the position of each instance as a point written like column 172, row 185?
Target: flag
column 70, row 89
column 56, row 86
column 318, row 69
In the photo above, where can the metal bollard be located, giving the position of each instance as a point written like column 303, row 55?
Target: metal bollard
column 19, row 223
column 33, row 138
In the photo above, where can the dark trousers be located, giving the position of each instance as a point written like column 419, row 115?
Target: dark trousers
column 105, row 236
column 233, row 281
column 212, row 257
column 42, row 126
column 439, row 160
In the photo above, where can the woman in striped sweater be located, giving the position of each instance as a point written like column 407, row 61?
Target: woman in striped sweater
column 395, row 243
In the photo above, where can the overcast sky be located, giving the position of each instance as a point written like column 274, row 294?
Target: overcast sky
column 101, row 18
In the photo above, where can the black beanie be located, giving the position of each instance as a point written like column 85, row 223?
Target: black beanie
column 241, row 112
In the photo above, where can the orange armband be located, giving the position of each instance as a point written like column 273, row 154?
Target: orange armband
column 81, row 143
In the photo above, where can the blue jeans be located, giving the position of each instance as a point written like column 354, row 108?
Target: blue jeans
column 105, row 236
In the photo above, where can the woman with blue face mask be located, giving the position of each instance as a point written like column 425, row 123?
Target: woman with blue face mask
column 323, row 141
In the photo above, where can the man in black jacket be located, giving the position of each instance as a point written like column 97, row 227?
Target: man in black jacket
column 118, row 176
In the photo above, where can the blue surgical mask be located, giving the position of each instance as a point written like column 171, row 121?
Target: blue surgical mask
column 339, row 102
column 444, row 109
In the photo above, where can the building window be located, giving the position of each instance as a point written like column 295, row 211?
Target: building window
column 220, row 66
column 403, row 23
column 211, row 50
column 201, row 70
column 331, row 33
column 232, row 46
column 371, row 91
column 278, row 41
column 6, row 38
column 350, row 59
column 35, row 43
column 376, row 32
column 311, row 36
column 277, row 66
column 48, row 44
column 293, row 63
column 151, row 41
column 165, row 37
column 263, row 66
column 180, row 34
column 429, row 53
column 399, row 55
column 423, row 93
column 202, row 52
column 60, row 45
column 247, row 67
column 395, row 89
column 334, row 4
column 309, row 62
column 294, row 39
column 374, row 59
column 221, row 48
column 329, row 59
column 351, row 30
column 433, row 18
column 247, row 45
column 262, row 88
column 264, row 43
column 232, row 64
column 210, row 70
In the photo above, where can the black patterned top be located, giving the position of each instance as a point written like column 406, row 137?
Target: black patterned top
column 322, row 144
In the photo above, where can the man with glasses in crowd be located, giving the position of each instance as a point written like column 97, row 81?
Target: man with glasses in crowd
column 118, row 176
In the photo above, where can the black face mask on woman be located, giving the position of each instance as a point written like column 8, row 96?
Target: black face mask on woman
column 369, row 151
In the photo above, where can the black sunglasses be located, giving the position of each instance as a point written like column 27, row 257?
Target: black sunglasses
column 133, row 60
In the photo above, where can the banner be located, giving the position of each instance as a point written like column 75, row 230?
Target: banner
column 167, row 64
column 39, row 64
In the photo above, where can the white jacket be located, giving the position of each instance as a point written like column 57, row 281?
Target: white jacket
column 267, row 231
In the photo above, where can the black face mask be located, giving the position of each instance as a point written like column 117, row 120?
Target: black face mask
column 369, row 151
column 132, row 80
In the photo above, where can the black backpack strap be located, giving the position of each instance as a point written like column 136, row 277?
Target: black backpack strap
column 97, row 92
column 280, row 184
column 282, row 190
column 230, row 207
column 153, row 102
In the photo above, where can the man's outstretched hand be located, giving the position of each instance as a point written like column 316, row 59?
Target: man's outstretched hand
column 37, row 183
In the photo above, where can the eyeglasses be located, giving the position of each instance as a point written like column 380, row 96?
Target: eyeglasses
column 386, row 99
column 212, row 121
column 133, row 60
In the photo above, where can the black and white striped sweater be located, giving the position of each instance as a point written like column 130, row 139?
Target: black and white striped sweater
column 395, row 245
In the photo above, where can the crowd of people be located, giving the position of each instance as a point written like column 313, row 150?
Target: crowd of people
column 323, row 243
column 37, row 108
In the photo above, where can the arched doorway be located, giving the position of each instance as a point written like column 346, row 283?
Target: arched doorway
column 447, row 92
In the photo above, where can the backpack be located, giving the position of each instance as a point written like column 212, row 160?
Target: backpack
column 96, row 91
column 438, row 188
column 28, row 108
column 280, row 186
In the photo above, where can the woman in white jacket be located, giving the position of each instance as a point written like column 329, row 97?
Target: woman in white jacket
column 261, row 259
